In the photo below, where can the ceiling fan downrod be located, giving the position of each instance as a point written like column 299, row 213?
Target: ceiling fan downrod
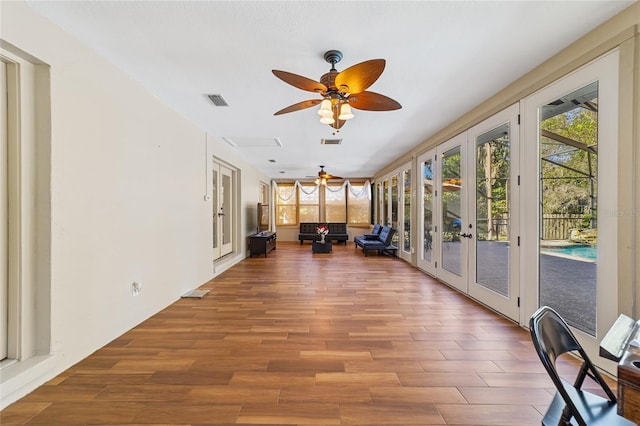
column 333, row 57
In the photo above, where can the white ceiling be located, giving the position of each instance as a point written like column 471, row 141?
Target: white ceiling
column 443, row 58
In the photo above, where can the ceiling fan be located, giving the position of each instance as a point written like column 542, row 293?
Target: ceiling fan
column 340, row 91
column 323, row 176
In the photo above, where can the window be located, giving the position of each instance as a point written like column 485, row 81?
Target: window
column 335, row 203
column 307, row 202
column 263, row 196
column 287, row 205
column 359, row 203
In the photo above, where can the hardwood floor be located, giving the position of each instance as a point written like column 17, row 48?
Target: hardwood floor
column 314, row 339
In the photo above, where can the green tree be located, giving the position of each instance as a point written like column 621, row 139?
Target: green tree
column 569, row 170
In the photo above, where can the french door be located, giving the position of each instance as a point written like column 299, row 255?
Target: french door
column 395, row 208
column 427, row 214
column 223, row 180
column 405, row 247
column 570, row 168
column 452, row 223
column 493, row 198
column 468, row 195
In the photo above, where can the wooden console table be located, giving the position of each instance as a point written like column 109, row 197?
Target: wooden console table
column 262, row 243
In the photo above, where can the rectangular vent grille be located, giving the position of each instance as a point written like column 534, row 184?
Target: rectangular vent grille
column 330, row 141
column 217, row 100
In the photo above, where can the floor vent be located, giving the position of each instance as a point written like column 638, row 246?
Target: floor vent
column 195, row 294
column 217, row 100
column 330, row 141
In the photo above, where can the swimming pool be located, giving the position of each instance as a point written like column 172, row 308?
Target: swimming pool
column 584, row 252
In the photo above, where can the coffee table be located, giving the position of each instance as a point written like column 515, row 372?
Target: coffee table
column 318, row 247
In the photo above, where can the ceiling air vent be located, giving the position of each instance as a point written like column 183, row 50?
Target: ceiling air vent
column 330, row 141
column 217, row 100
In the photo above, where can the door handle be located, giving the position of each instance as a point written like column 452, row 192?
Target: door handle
column 467, row 235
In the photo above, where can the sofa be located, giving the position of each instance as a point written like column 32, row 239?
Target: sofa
column 374, row 232
column 380, row 242
column 337, row 232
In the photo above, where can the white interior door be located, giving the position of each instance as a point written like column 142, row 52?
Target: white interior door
column 453, row 226
column 570, row 169
column 493, row 248
column 428, row 242
column 223, row 185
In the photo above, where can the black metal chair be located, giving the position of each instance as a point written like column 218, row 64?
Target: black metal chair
column 571, row 405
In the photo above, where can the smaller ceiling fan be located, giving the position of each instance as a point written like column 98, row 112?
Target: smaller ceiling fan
column 340, row 91
column 323, row 176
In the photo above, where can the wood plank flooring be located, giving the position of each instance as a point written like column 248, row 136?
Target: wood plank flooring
column 309, row 339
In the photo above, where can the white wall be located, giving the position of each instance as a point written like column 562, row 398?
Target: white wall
column 127, row 196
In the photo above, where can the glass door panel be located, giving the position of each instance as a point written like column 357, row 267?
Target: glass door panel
column 452, row 207
column 223, row 211
column 427, row 209
column 225, row 204
column 568, row 245
column 216, row 210
column 492, row 210
column 426, row 212
column 493, row 251
column 395, row 190
column 385, row 203
column 405, row 251
column 451, row 190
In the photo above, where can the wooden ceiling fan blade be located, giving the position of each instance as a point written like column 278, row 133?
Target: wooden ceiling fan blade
column 371, row 101
column 300, row 82
column 299, row 106
column 359, row 77
column 322, row 174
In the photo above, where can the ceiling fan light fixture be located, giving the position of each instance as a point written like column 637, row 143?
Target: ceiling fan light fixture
column 325, row 107
column 339, row 89
column 327, row 118
column 345, row 112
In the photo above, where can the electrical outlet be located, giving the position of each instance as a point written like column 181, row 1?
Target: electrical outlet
column 136, row 288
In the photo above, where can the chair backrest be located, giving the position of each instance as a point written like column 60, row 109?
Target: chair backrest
column 308, row 227
column 376, row 229
column 337, row 228
column 552, row 337
column 386, row 235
